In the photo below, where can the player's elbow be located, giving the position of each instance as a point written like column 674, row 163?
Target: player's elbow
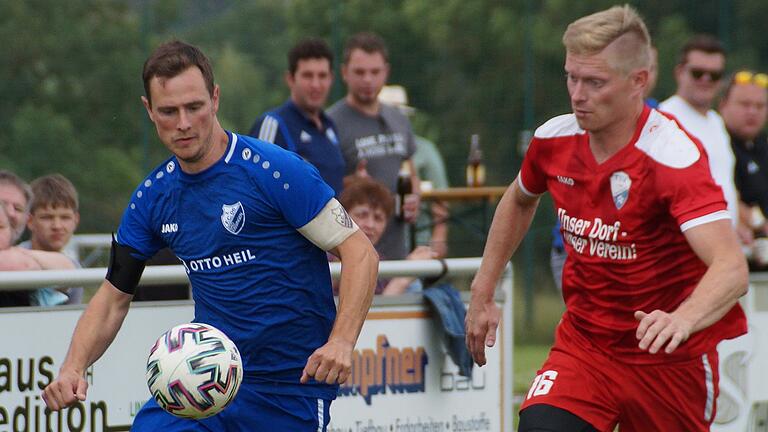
column 743, row 279
column 739, row 275
column 372, row 258
column 357, row 250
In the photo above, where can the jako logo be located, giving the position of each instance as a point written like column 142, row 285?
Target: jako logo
column 565, row 180
column 170, row 228
column 400, row 370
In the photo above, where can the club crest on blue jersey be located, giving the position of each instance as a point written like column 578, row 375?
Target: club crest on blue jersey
column 620, row 183
column 233, row 217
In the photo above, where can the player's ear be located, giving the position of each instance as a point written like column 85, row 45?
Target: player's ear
column 215, row 98
column 289, row 79
column 148, row 106
column 679, row 70
column 344, row 72
column 640, row 79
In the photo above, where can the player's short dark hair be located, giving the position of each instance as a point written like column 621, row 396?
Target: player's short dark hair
column 171, row 59
column 368, row 42
column 366, row 191
column 701, row 42
column 54, row 190
column 309, row 48
column 9, row 178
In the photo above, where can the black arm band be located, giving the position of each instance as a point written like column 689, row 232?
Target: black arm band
column 124, row 270
column 431, row 280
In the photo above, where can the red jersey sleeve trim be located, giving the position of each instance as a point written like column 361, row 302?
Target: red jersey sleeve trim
column 525, row 189
column 701, row 220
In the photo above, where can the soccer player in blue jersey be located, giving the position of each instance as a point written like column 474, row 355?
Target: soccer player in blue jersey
column 251, row 222
column 300, row 124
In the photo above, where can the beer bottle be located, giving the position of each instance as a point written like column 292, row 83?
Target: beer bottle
column 404, row 187
column 475, row 167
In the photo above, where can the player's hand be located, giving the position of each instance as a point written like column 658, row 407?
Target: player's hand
column 439, row 248
column 421, row 253
column 659, row 328
column 67, row 389
column 411, row 207
column 480, row 326
column 331, row 363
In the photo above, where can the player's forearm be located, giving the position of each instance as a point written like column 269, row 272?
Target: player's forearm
column 511, row 221
column 724, row 282
column 97, row 328
column 51, row 260
column 359, row 270
column 439, row 241
column 398, row 285
column 415, row 180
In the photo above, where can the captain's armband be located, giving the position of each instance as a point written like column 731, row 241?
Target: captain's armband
column 330, row 227
column 124, row 270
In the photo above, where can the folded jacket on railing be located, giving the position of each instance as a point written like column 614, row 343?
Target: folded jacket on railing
column 446, row 301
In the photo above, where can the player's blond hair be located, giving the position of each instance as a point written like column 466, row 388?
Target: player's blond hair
column 591, row 34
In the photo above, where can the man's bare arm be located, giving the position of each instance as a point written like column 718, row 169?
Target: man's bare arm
column 721, row 286
column 95, row 331
column 332, row 362
column 510, row 223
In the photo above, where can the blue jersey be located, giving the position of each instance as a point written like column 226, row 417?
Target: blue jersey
column 253, row 275
column 288, row 127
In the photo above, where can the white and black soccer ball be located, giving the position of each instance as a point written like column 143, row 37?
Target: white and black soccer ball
column 194, row 370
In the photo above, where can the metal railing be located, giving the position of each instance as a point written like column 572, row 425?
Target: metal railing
column 159, row 275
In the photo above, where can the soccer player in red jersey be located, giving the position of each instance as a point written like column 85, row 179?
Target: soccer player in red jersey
column 654, row 269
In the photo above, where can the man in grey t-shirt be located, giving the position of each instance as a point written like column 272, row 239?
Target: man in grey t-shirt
column 375, row 138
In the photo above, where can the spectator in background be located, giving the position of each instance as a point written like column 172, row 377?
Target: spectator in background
column 432, row 222
column 698, row 74
column 744, row 107
column 53, row 218
column 370, row 204
column 14, row 258
column 17, row 195
column 376, row 138
column 300, row 125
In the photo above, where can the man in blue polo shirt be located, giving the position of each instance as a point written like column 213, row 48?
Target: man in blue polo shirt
column 300, row 125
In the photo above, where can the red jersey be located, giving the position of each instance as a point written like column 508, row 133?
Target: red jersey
column 622, row 223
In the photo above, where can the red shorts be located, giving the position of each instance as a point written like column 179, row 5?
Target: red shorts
column 578, row 378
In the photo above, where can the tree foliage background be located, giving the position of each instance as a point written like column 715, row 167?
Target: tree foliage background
column 70, row 80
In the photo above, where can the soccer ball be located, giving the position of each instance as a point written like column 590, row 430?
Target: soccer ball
column 194, row 370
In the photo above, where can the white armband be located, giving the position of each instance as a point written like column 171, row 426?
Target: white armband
column 330, row 227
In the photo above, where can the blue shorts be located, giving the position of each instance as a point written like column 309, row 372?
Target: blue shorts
column 251, row 411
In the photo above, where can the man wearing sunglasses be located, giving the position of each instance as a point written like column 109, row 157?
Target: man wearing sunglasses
column 744, row 107
column 698, row 74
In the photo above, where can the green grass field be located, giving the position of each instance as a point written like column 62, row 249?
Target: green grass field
column 534, row 335
column 527, row 360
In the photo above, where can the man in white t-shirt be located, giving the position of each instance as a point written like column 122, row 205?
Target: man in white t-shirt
column 698, row 74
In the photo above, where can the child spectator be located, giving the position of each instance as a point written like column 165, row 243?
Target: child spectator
column 53, row 219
